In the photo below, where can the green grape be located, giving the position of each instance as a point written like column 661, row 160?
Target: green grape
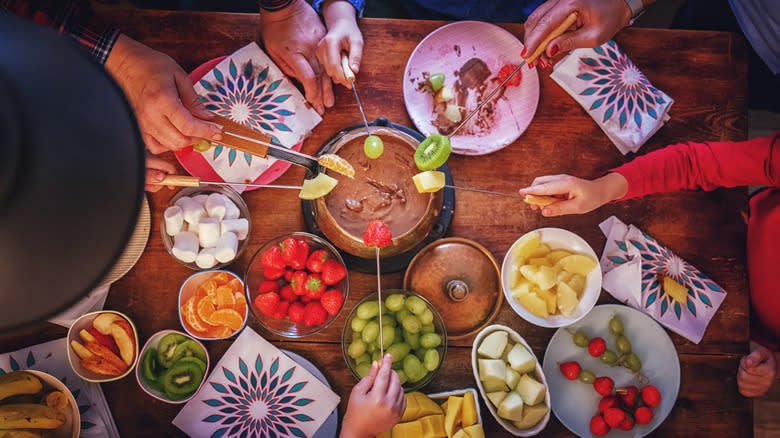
column 430, row 340
column 356, row 348
column 388, row 336
column 397, row 365
column 411, row 324
column 616, row 326
column 586, row 376
column 398, row 351
column 395, row 302
column 201, row 146
column 399, row 335
column 436, row 80
column 413, row 368
column 420, row 353
column 373, row 147
column 413, row 339
column 387, row 320
column 365, row 357
column 426, row 317
column 363, row 369
column 401, row 314
column 376, row 355
column 402, row 376
column 358, row 324
column 370, row 332
column 609, row 357
column 431, row 360
column 416, row 305
column 368, row 310
column 633, row 363
column 428, row 328
column 580, row 339
column 372, row 347
column 623, row 344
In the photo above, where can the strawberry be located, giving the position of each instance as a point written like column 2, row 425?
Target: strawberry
column 288, row 248
column 333, row 272
column 287, row 294
column 597, row 347
column 332, row 300
column 377, row 234
column 305, row 299
column 288, row 273
column 298, row 282
column 628, row 395
column 316, row 260
column 603, row 385
column 614, row 416
column 314, row 314
column 268, row 286
column 570, row 370
column 301, row 254
column 295, row 312
column 598, row 426
column 608, row 401
column 506, row 71
column 281, row 310
column 272, row 258
column 651, row 396
column 643, row 415
column 627, row 424
column 314, row 286
column 104, row 340
column 267, row 303
column 273, row 273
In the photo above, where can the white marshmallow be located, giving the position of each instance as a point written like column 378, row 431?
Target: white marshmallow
column 185, row 247
column 192, row 228
column 183, row 200
column 227, row 247
column 200, row 199
column 239, row 226
column 208, row 232
column 231, row 209
column 215, row 206
column 192, row 210
column 206, row 259
column 174, row 219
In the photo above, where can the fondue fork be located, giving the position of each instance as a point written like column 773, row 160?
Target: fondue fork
column 351, row 78
column 379, row 298
column 194, row 181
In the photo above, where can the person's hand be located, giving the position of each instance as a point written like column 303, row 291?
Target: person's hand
column 376, row 403
column 290, row 36
column 168, row 111
column 343, row 36
column 757, row 372
column 577, row 195
column 597, row 22
column 156, row 170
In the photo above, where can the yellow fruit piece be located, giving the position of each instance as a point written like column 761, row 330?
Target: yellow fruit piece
column 567, row 299
column 540, row 200
column 444, row 406
column 550, row 298
column 533, row 304
column 474, row 431
column 429, row 181
column 412, row 429
column 532, row 415
column 412, row 411
column 453, row 416
column 30, row 415
column 577, row 282
column 460, row 434
column 228, row 318
column 428, row 406
column 556, row 255
column 469, row 410
column 543, row 276
column 540, row 251
column 433, row 426
column 577, row 264
column 539, row 261
column 525, row 247
column 21, row 382
column 675, row 290
column 224, row 297
column 336, row 164
column 317, row 187
column 385, row 434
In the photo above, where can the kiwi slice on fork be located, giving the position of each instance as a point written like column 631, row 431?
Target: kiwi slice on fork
column 432, row 152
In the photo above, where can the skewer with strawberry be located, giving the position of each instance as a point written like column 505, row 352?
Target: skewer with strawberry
column 378, row 235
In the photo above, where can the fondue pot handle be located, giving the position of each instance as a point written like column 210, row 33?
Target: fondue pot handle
column 347, row 70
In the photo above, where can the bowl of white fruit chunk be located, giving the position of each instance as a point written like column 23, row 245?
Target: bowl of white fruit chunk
column 551, row 277
column 510, row 380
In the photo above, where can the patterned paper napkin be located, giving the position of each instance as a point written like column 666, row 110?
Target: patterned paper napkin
column 256, row 390
column 51, row 357
column 615, row 93
column 634, row 264
column 248, row 88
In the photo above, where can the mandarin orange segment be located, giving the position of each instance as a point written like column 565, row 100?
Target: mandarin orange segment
column 228, row 318
column 235, row 285
column 205, row 308
column 224, row 297
column 336, row 164
column 208, row 287
column 218, row 332
column 196, row 323
column 240, row 305
column 222, row 278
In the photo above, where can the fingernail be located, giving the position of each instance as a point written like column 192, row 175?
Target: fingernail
column 217, row 136
column 374, row 364
column 554, row 50
column 388, row 356
column 525, row 49
column 541, row 64
column 545, row 212
column 355, row 68
column 159, row 176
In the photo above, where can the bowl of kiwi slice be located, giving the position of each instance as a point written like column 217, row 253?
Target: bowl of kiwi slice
column 173, row 366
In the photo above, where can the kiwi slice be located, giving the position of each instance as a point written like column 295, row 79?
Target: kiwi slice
column 194, row 360
column 149, row 365
column 181, row 380
column 432, row 152
column 189, row 348
column 167, row 347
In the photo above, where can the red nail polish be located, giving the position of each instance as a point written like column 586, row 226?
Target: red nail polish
column 554, row 50
column 525, row 49
column 541, row 64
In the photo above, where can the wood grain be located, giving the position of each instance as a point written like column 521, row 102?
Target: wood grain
column 705, row 72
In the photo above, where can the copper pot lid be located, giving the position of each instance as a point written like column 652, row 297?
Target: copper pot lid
column 461, row 279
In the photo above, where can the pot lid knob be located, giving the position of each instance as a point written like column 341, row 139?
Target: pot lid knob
column 457, row 290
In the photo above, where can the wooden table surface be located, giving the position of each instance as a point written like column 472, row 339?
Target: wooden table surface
column 705, row 73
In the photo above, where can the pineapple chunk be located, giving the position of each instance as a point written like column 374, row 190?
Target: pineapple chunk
column 550, row 298
column 563, row 276
column 567, row 299
column 514, row 274
column 533, row 304
column 532, row 415
column 523, row 285
column 540, row 251
column 493, row 345
column 521, row 360
column 577, row 282
column 539, row 261
column 577, row 264
column 556, row 255
column 496, row 397
column 430, row 181
column 469, row 414
column 511, row 407
column 531, row 390
column 525, row 247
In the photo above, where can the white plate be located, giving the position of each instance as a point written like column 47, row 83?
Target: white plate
column 437, row 53
column 575, row 403
column 557, row 238
column 331, row 424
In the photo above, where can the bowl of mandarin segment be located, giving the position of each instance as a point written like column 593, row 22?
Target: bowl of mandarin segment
column 296, row 284
column 511, row 380
column 451, row 414
column 173, row 366
column 411, row 330
column 102, row 346
column 551, row 277
column 212, row 305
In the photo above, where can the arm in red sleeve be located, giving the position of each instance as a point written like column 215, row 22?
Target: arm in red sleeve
column 705, row 166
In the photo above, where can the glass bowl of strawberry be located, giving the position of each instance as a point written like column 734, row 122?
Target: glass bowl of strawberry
column 296, row 284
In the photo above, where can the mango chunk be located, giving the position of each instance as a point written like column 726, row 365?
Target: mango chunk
column 454, row 415
column 469, row 414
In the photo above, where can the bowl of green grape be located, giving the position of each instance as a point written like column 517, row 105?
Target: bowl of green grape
column 412, row 331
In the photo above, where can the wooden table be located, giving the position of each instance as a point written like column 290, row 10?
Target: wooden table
column 705, row 72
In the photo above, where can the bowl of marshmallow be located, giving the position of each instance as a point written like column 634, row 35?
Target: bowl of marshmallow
column 205, row 227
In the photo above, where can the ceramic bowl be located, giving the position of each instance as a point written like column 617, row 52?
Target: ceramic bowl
column 538, row 374
column 556, row 238
column 84, row 323
column 153, row 342
column 72, row 426
column 441, row 397
column 195, row 315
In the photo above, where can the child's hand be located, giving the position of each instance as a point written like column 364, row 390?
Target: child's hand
column 156, row 170
column 376, row 403
column 343, row 36
column 577, row 195
column 756, row 372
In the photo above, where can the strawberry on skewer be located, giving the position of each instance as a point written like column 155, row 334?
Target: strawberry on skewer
column 378, row 235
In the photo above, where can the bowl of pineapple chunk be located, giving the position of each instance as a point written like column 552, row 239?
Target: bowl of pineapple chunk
column 551, row 277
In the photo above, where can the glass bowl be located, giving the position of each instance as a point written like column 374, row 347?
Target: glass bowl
column 207, row 190
column 348, row 334
column 254, row 276
column 200, row 298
